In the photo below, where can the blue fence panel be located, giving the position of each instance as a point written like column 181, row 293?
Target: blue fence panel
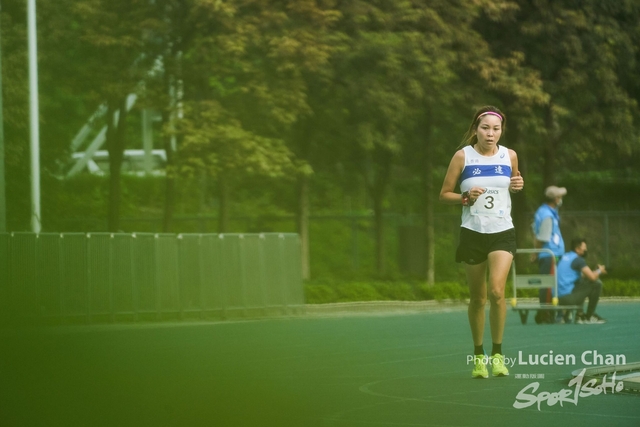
column 24, row 266
column 275, row 272
column 293, row 270
column 253, row 274
column 49, row 281
column 73, row 261
column 145, row 273
column 214, row 293
column 167, row 274
column 99, row 260
column 232, row 271
column 189, row 267
column 5, row 275
column 122, row 275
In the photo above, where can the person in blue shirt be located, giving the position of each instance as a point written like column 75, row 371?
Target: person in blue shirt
column 546, row 229
column 577, row 282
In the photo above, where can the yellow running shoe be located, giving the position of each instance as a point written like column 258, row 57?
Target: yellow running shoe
column 480, row 367
column 498, row 369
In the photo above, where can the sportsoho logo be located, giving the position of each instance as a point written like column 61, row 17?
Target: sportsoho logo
column 526, row 396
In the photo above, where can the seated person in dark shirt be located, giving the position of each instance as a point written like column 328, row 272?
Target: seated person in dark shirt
column 577, row 282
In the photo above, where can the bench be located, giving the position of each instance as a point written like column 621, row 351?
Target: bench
column 523, row 310
column 537, row 281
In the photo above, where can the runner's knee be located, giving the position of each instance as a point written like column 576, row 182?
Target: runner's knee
column 496, row 296
column 477, row 301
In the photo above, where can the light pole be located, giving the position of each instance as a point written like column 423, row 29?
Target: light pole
column 3, row 197
column 36, row 221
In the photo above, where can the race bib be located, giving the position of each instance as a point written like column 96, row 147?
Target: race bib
column 493, row 202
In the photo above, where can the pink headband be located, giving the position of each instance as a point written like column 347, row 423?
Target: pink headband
column 490, row 112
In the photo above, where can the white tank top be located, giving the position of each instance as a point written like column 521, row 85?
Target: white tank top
column 491, row 213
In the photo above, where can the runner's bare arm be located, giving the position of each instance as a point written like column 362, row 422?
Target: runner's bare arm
column 447, row 192
column 517, row 182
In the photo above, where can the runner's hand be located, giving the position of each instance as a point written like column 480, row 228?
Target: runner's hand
column 517, row 183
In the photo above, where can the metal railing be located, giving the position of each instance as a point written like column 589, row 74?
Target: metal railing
column 107, row 277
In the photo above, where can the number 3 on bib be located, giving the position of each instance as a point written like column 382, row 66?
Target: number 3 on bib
column 493, row 202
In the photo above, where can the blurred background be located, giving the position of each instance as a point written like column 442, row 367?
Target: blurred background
column 335, row 120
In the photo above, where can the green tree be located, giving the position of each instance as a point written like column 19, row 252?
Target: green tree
column 375, row 91
column 212, row 139
column 302, row 49
column 111, row 40
column 409, row 72
column 170, row 35
column 252, row 60
column 578, row 50
column 15, row 113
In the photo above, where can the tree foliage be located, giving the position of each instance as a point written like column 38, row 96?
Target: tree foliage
column 578, row 50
